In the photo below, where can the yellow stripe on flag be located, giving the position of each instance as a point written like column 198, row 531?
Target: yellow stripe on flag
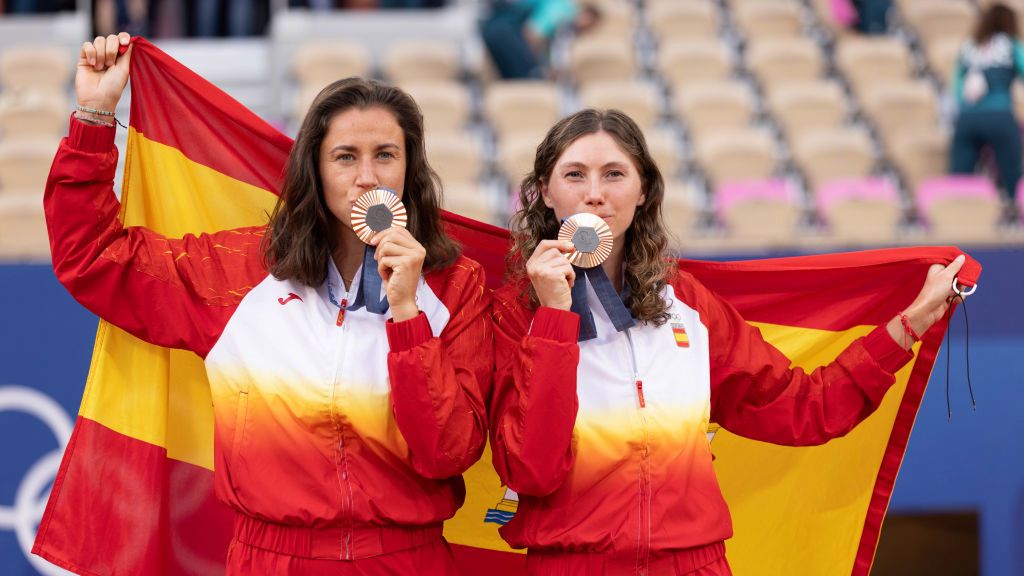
column 170, row 194
column 174, row 196
column 483, row 492
column 802, row 510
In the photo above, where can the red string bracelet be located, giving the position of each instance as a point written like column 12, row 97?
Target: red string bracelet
column 908, row 330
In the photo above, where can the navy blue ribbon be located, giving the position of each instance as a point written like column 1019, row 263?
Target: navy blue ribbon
column 369, row 286
column 610, row 300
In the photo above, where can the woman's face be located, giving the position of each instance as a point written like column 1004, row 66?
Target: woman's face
column 363, row 149
column 595, row 175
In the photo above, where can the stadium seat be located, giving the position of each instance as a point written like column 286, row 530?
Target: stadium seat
column 683, row 20
column 445, row 105
column 900, row 108
column 421, row 61
column 639, row 100
column 808, row 106
column 780, row 61
column 959, row 208
column 522, row 106
column 682, row 62
column 762, row 20
column 35, row 67
column 455, row 156
column 758, row 211
column 709, row 107
column 743, row 154
column 33, row 114
column 920, row 155
column 872, row 61
column 860, row 210
column 25, row 164
column 320, row 63
column 833, row 154
column 23, row 229
column 595, row 58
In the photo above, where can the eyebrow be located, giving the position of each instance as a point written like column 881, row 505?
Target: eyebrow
column 612, row 164
column 351, row 148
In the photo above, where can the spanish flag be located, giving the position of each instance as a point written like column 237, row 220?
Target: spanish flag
column 134, row 493
column 679, row 331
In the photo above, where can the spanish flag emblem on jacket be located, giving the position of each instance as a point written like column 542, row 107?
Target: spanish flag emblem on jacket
column 679, row 331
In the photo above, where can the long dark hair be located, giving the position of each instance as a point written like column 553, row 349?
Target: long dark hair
column 298, row 243
column 646, row 241
column 997, row 19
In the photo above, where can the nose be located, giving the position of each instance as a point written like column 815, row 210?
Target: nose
column 594, row 194
column 367, row 175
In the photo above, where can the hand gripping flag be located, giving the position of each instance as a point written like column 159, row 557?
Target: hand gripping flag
column 134, row 493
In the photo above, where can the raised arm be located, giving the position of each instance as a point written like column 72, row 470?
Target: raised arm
column 755, row 392
column 172, row 292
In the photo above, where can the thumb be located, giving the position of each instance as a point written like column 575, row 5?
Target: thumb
column 957, row 263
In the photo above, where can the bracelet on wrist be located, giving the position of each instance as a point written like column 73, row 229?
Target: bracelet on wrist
column 92, row 121
column 908, row 331
column 88, row 110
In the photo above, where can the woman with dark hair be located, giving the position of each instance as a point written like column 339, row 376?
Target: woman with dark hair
column 343, row 419
column 988, row 64
column 601, row 404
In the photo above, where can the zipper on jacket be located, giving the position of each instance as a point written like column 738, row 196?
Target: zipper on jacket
column 345, row 486
column 644, row 518
column 341, row 312
column 636, row 372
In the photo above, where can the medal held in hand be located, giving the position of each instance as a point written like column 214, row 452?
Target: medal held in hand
column 591, row 239
column 376, row 211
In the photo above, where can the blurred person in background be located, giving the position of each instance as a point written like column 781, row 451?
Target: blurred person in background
column 985, row 70
column 872, row 15
column 864, row 16
column 232, row 18
column 178, row 19
column 365, row 4
column 36, row 6
column 518, row 33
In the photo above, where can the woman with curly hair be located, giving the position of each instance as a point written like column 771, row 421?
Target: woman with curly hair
column 601, row 403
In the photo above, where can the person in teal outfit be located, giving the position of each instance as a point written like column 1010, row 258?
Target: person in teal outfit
column 518, row 33
column 986, row 67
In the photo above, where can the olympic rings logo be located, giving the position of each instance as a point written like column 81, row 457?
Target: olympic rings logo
column 30, row 499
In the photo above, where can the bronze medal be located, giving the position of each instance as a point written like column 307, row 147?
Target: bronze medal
column 591, row 239
column 376, row 211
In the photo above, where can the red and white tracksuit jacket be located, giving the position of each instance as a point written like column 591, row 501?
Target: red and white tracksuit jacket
column 331, row 442
column 606, row 442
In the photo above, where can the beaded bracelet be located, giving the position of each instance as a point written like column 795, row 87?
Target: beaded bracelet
column 94, row 121
column 94, row 111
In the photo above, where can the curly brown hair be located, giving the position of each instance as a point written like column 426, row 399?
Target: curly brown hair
column 298, row 243
column 647, row 265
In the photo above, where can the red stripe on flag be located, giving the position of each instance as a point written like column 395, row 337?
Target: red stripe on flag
column 141, row 512
column 837, row 291
column 897, row 447
column 203, row 122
